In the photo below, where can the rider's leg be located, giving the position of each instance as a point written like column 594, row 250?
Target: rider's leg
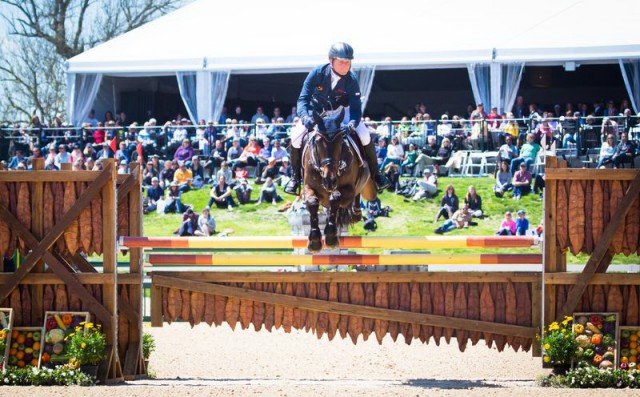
column 297, row 134
column 372, row 159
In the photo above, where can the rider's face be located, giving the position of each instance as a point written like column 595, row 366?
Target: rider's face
column 341, row 66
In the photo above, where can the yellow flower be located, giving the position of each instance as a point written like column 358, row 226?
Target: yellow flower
column 88, row 325
column 554, row 326
column 547, row 346
column 546, row 359
column 83, row 345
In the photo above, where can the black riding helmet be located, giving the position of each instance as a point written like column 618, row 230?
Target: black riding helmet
column 341, row 50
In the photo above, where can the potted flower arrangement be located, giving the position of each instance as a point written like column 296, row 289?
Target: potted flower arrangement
column 86, row 348
column 58, row 326
column 148, row 347
column 559, row 345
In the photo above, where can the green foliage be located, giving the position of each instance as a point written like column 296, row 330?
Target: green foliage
column 86, row 345
column 559, row 343
column 58, row 376
column 148, row 345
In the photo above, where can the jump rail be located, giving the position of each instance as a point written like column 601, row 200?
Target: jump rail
column 288, row 242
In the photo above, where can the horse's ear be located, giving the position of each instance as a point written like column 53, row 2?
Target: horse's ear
column 317, row 119
column 340, row 117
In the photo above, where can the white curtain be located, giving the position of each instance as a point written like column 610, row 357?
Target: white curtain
column 219, row 83
column 631, row 74
column 365, row 76
column 480, row 78
column 81, row 92
column 511, row 74
column 188, row 92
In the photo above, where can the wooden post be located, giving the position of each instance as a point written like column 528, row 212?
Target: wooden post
column 109, row 257
column 37, row 228
column 536, row 315
column 156, row 306
column 550, row 256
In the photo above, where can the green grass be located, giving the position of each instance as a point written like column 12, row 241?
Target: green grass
column 407, row 218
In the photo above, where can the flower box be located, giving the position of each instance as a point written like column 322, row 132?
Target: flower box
column 597, row 336
column 25, row 347
column 57, row 327
column 6, row 324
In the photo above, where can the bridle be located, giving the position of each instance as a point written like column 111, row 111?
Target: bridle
column 318, row 163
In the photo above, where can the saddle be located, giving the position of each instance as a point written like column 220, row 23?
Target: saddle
column 353, row 142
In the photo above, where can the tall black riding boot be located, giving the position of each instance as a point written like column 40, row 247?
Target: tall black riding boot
column 293, row 185
column 372, row 160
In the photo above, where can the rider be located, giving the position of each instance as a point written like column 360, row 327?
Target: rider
column 327, row 89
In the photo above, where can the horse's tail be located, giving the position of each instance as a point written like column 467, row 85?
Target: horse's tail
column 345, row 217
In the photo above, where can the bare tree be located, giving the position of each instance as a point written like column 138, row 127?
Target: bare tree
column 43, row 34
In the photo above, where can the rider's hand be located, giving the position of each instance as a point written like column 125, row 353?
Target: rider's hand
column 308, row 122
column 352, row 126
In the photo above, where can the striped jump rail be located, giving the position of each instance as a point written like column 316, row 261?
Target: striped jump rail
column 288, row 242
column 350, row 259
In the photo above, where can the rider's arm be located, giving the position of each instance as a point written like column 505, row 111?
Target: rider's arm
column 355, row 103
column 305, row 108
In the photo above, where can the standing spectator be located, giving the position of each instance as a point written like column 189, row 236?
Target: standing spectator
column 173, row 202
column 508, row 226
column 268, row 193
column 92, row 118
column 206, row 223
column 154, row 194
column 460, row 219
column 449, row 204
column 503, row 180
column 474, row 201
column 609, row 127
column 522, row 224
column 521, row 182
column 259, row 115
column 221, row 195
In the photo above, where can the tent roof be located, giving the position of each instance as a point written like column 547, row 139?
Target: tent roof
column 252, row 36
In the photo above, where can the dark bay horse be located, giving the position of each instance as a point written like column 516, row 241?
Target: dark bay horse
column 334, row 177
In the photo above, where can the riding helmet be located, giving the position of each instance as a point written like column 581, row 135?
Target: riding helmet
column 341, row 50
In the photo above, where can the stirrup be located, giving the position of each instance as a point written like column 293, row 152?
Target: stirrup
column 292, row 187
column 381, row 182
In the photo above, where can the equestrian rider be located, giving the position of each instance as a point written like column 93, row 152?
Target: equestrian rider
column 328, row 89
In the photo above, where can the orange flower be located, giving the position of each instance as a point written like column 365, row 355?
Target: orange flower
column 67, row 319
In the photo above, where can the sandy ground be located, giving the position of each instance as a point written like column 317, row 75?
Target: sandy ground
column 220, row 362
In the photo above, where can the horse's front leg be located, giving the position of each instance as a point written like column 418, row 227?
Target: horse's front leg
column 331, row 229
column 357, row 211
column 315, row 236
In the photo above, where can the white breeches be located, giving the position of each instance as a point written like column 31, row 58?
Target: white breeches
column 298, row 131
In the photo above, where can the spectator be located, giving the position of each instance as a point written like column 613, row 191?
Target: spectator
column 243, row 191
column 218, row 155
column 381, row 150
column 122, row 153
column 606, row 152
column 221, row 195
column 226, row 172
column 154, row 194
column 19, row 158
column 510, row 128
column 609, row 127
column 427, row 186
column 503, row 180
column 259, row 115
column 62, row 157
column 183, row 177
column 625, row 151
column 409, row 159
column 508, row 226
column 270, row 171
column 444, row 153
column 373, row 208
column 268, row 193
column 249, row 156
column 99, row 134
column 184, row 152
column 571, row 130
column 89, row 152
column 51, row 157
column 278, row 152
column 395, row 153
column 189, row 224
column 105, row 152
column 474, row 201
column 92, row 118
column 148, row 174
column 124, row 167
column 448, row 204
column 285, row 172
column 460, row 219
column 206, row 224
column 521, row 182
column 167, row 173
column 528, row 154
column 234, row 151
column 173, row 202
column 443, row 130
column 508, row 151
column 197, row 173
column 522, row 224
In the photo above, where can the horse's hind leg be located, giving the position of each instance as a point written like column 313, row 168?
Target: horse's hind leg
column 331, row 230
column 357, row 211
column 315, row 236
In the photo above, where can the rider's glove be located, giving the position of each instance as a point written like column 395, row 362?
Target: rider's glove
column 352, row 126
column 308, row 122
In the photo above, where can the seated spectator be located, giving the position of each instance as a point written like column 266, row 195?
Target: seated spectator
column 503, row 180
column 173, row 202
column 528, row 153
column 522, row 182
column 460, row 219
column 89, row 152
column 395, row 153
column 76, row 153
column 284, row 172
column 226, row 172
column 167, row 173
column 148, row 174
column 63, row 156
column 373, row 208
column 183, row 177
column 409, row 159
column 122, row 170
column 509, row 128
column 99, row 134
column 50, row 158
column 449, row 204
column 197, row 172
column 17, row 159
column 381, row 150
column 89, row 164
column 508, row 151
column 607, row 151
column 248, row 157
column 268, row 193
column 444, row 153
column 154, row 194
column 392, row 172
column 122, row 154
column 217, row 156
column 278, row 152
column 474, row 201
column 105, row 152
column 508, row 226
column 522, row 224
column 625, row 151
column 206, row 223
column 427, row 186
column 221, row 195
column 184, row 152
column 571, row 130
column 189, row 224
column 243, row 191
column 270, row 171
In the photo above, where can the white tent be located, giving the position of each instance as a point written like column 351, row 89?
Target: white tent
column 205, row 41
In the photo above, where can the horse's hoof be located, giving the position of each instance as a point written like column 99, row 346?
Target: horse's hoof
column 355, row 218
column 314, row 246
column 331, row 241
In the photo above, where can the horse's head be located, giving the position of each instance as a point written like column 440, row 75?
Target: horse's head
column 327, row 144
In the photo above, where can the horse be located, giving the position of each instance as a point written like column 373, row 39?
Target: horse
column 335, row 176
